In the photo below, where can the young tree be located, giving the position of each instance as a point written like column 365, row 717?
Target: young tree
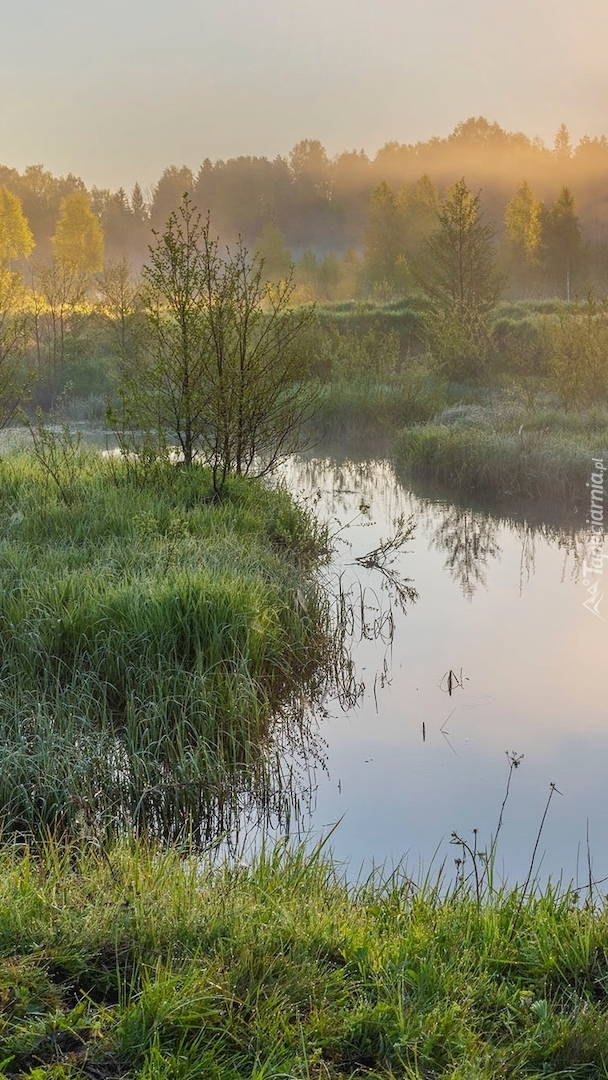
column 78, row 239
column 577, row 353
column 562, row 245
column 420, row 209
column 60, row 285
column 14, row 329
column 562, row 147
column 218, row 365
column 272, row 250
column 16, row 238
column 306, row 275
column 523, row 220
column 461, row 283
column 384, row 254
column 119, row 305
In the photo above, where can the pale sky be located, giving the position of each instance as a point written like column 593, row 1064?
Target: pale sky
column 116, row 90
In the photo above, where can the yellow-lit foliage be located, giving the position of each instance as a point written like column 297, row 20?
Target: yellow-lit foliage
column 15, row 234
column 78, row 240
column 523, row 221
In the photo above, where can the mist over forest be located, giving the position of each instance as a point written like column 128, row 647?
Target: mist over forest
column 354, row 225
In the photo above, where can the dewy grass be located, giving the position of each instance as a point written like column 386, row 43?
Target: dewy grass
column 527, row 455
column 135, row 962
column 150, row 638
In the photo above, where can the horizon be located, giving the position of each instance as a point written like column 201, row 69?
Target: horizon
column 114, row 95
column 332, row 154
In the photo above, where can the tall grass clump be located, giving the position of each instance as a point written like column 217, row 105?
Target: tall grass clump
column 138, row 962
column 532, row 455
column 367, row 406
column 153, row 637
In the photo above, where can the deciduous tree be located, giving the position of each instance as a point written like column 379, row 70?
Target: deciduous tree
column 523, row 221
column 386, row 267
column 16, row 238
column 14, row 330
column 562, row 245
column 78, row 239
column 218, row 364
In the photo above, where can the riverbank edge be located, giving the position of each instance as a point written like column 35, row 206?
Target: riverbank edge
column 148, row 623
column 141, row 962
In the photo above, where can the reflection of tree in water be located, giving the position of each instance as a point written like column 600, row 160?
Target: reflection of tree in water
column 337, row 487
column 470, row 540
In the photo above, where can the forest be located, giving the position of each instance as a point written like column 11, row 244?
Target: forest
column 354, row 225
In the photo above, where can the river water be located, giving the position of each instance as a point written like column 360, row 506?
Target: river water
column 501, row 606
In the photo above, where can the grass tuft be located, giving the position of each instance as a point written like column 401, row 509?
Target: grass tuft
column 153, row 639
column 507, row 452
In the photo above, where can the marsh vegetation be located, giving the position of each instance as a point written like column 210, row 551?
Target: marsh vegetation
column 155, row 641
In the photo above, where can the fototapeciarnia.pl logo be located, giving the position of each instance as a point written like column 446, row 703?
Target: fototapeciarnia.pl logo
column 593, row 571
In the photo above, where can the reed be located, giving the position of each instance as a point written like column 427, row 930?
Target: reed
column 368, row 407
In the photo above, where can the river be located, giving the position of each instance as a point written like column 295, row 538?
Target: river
column 501, row 606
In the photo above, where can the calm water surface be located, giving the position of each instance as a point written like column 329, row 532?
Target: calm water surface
column 500, row 602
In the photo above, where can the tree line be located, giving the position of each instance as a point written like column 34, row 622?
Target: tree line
column 321, row 205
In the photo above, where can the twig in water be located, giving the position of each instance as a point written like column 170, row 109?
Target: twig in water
column 381, row 557
column 450, row 681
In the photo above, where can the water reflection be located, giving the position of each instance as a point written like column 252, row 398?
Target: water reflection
column 471, row 541
column 500, row 597
column 373, row 740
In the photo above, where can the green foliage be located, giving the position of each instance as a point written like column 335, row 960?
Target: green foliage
column 577, row 353
column 15, row 331
column 274, row 255
column 420, row 209
column 16, row 238
column 371, row 356
column 523, row 220
column 462, row 285
column 78, row 239
column 561, row 243
column 385, row 264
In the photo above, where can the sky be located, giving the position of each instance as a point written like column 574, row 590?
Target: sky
column 116, row 90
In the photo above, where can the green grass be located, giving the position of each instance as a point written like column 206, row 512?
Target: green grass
column 138, row 963
column 366, row 407
column 152, row 640
column 544, row 454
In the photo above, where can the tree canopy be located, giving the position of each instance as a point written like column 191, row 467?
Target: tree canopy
column 16, row 238
column 78, row 239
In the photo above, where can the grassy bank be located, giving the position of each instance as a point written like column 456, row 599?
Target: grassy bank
column 544, row 454
column 367, row 407
column 151, row 638
column 138, row 964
